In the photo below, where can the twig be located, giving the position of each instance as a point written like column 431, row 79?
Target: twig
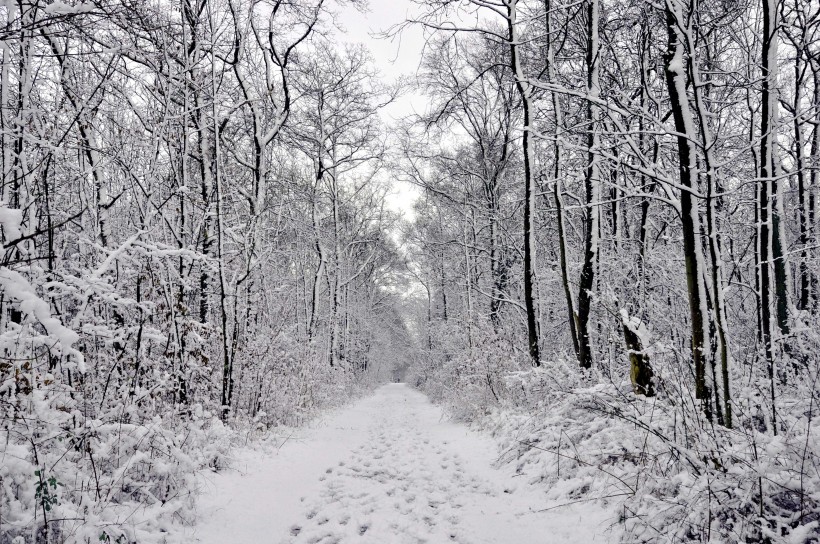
column 579, row 500
column 578, row 461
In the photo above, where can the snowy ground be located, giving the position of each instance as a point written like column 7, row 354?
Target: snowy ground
column 387, row 470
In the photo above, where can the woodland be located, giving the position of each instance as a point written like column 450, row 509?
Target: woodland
column 610, row 262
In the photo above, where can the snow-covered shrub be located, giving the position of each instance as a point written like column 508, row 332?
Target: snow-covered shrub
column 103, row 430
column 669, row 473
column 108, row 479
column 470, row 381
column 83, row 460
column 284, row 382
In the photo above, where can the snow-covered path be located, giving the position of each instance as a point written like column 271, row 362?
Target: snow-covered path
column 387, row 470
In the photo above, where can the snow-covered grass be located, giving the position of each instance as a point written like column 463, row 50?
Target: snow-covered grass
column 76, row 469
column 671, row 475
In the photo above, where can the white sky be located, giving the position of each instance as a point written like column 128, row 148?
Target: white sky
column 393, row 58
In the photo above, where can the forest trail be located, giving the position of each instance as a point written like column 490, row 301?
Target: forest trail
column 389, row 469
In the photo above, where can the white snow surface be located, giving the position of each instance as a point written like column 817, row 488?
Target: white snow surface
column 389, row 469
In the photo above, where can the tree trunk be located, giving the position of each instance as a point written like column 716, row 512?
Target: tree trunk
column 677, row 85
column 718, row 304
column 557, row 174
column 524, row 92
column 592, row 188
column 768, row 225
column 640, row 371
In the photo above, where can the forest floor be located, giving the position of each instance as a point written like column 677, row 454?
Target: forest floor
column 389, row 469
